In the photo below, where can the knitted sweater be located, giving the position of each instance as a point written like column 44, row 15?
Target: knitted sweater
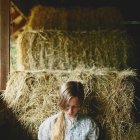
column 82, row 128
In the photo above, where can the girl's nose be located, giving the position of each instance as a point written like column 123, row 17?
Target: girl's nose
column 70, row 110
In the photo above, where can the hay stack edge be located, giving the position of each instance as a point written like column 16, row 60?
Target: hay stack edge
column 51, row 53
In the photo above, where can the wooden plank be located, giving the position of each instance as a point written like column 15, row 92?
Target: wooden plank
column 4, row 42
column 14, row 15
column 16, row 27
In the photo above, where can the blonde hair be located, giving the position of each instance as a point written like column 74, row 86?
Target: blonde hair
column 68, row 90
column 58, row 131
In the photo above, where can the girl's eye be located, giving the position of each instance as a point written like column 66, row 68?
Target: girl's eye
column 74, row 107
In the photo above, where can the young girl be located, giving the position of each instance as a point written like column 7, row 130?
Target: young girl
column 69, row 124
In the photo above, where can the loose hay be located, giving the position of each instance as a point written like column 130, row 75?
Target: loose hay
column 74, row 18
column 108, row 97
column 64, row 50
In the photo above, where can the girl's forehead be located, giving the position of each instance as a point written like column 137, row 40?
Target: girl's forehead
column 73, row 101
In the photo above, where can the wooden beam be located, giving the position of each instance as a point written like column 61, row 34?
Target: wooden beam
column 15, row 27
column 14, row 15
column 4, row 42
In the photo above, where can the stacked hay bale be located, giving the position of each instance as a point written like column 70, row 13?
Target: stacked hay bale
column 60, row 49
column 68, row 45
column 53, row 40
column 74, row 18
column 108, row 97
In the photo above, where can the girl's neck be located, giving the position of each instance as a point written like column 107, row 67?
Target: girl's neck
column 72, row 119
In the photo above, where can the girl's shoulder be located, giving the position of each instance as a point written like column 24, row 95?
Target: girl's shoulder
column 86, row 121
column 50, row 119
column 84, row 117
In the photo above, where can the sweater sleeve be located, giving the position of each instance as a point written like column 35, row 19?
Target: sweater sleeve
column 44, row 130
column 93, row 131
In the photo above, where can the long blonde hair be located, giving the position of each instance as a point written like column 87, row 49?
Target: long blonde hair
column 68, row 90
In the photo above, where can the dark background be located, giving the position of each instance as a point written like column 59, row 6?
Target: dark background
column 129, row 8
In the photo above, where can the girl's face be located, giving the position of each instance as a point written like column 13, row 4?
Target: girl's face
column 72, row 107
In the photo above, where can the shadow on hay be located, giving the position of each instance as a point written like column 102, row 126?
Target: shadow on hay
column 92, row 108
column 136, row 108
column 11, row 128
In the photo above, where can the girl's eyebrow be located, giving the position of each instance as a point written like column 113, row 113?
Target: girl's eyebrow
column 73, row 105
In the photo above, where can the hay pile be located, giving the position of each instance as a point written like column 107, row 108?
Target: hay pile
column 108, row 97
column 73, row 18
column 55, row 49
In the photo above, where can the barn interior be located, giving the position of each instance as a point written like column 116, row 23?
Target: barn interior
column 109, row 22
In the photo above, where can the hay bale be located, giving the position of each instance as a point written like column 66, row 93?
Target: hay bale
column 74, row 18
column 108, row 97
column 63, row 50
column 47, row 18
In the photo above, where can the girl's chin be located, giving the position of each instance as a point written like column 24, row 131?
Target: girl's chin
column 70, row 116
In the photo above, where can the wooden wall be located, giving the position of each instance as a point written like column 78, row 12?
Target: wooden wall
column 4, row 42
